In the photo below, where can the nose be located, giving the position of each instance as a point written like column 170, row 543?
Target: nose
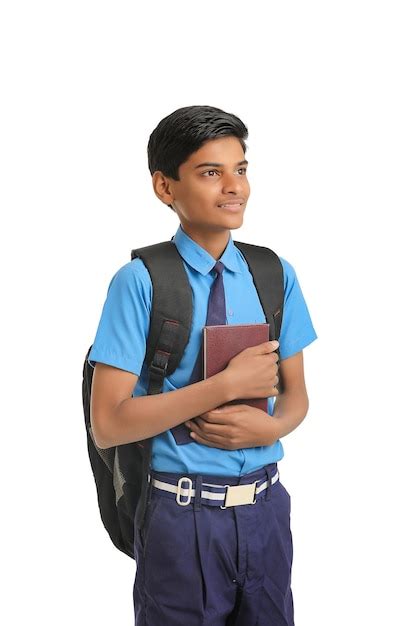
column 232, row 183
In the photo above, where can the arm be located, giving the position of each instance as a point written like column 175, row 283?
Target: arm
column 242, row 426
column 117, row 418
column 292, row 404
column 296, row 333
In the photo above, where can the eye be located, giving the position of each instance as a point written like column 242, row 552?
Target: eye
column 208, row 172
column 242, row 169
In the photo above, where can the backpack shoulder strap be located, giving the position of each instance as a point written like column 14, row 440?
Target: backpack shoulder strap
column 268, row 277
column 171, row 313
column 169, row 331
column 170, row 325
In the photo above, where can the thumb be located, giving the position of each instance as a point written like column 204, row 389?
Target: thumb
column 265, row 347
column 269, row 346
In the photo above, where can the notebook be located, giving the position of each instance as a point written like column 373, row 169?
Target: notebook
column 222, row 342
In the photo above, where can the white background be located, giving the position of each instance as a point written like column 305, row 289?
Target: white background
column 328, row 92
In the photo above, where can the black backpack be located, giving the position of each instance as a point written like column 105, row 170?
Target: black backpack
column 121, row 473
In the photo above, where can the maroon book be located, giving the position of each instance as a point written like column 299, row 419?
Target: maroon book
column 221, row 343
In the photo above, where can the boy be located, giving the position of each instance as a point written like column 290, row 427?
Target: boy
column 201, row 560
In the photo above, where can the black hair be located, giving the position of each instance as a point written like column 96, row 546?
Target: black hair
column 184, row 131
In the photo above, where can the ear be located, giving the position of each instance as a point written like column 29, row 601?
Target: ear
column 162, row 188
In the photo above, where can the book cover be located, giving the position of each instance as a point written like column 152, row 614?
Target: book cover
column 221, row 343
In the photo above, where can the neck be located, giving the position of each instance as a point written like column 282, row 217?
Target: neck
column 214, row 243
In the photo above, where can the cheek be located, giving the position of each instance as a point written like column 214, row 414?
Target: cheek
column 206, row 195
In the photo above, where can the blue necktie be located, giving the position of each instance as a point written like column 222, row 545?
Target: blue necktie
column 216, row 314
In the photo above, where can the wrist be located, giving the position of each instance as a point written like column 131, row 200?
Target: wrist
column 227, row 386
column 275, row 429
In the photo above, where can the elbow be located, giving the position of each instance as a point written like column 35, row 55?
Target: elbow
column 305, row 404
column 101, row 442
column 100, row 432
column 103, row 445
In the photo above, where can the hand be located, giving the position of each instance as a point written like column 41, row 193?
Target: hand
column 234, row 426
column 253, row 372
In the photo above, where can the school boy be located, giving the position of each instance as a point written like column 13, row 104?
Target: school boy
column 198, row 563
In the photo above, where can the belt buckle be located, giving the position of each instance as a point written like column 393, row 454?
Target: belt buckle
column 239, row 494
column 179, row 487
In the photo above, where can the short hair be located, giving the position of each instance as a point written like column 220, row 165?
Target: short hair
column 184, row 131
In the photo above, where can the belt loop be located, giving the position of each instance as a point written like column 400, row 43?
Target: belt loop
column 197, row 496
column 269, row 471
column 150, row 487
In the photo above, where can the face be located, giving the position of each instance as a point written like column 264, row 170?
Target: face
column 211, row 195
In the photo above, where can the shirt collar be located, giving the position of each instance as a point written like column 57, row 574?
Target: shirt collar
column 199, row 258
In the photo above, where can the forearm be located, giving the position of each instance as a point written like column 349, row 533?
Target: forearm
column 290, row 409
column 142, row 417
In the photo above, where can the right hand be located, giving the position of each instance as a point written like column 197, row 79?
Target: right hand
column 253, row 373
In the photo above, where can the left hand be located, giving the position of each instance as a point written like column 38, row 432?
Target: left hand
column 234, row 426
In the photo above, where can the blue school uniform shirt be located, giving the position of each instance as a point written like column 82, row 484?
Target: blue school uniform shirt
column 123, row 329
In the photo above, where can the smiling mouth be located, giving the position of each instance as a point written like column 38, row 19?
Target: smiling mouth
column 231, row 206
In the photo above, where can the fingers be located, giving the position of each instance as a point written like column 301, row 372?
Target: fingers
column 220, row 417
column 204, row 426
column 213, row 442
column 202, row 432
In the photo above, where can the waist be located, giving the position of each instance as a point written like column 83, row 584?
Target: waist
column 195, row 459
column 223, row 491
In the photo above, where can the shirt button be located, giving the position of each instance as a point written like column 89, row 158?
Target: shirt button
column 230, row 312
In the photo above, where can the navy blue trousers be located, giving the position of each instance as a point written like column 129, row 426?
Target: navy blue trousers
column 200, row 565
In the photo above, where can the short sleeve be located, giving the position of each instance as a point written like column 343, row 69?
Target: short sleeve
column 123, row 328
column 297, row 329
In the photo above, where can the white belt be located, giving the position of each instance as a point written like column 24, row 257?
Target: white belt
column 228, row 495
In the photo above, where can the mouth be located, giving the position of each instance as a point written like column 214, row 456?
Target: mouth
column 234, row 207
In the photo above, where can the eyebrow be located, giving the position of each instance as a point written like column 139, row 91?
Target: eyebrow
column 245, row 162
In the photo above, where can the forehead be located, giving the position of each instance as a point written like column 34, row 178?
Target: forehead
column 225, row 150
